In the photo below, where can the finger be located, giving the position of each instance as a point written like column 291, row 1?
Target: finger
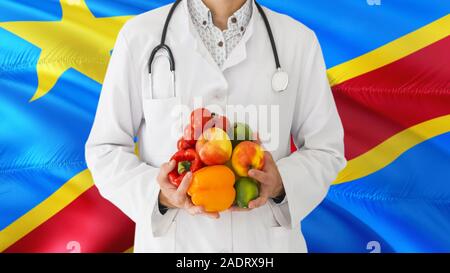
column 214, row 215
column 269, row 163
column 165, row 184
column 185, row 183
column 238, row 209
column 258, row 202
column 256, row 138
column 258, row 175
column 195, row 210
column 264, row 191
column 199, row 210
column 191, row 208
column 268, row 156
column 166, row 168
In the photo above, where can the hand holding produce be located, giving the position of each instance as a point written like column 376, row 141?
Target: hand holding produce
column 176, row 197
column 206, row 152
column 270, row 181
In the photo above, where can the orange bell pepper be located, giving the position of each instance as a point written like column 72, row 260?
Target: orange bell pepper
column 213, row 188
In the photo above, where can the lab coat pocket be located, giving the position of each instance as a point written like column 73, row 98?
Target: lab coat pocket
column 162, row 128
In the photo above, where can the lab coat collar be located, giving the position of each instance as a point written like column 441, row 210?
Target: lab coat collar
column 183, row 28
column 194, row 39
column 203, row 17
column 205, row 13
column 239, row 53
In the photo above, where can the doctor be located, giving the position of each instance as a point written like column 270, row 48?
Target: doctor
column 222, row 52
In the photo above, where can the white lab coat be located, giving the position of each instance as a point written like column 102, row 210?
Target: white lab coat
column 127, row 109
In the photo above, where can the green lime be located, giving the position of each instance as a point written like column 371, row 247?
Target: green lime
column 246, row 191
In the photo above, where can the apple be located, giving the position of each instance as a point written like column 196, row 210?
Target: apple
column 247, row 155
column 241, row 132
column 214, row 147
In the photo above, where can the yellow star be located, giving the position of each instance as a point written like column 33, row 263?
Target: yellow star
column 79, row 40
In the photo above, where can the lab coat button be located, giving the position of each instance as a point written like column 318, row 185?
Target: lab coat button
column 220, row 44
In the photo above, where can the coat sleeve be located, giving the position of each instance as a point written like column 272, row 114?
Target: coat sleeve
column 317, row 131
column 119, row 174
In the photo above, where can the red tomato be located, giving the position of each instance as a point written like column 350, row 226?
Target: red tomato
column 199, row 118
column 189, row 135
column 218, row 121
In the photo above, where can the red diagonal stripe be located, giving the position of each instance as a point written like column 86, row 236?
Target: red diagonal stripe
column 379, row 104
column 90, row 220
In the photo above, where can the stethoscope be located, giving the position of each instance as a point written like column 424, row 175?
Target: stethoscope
column 280, row 78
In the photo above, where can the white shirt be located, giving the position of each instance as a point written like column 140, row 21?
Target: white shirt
column 219, row 43
column 128, row 108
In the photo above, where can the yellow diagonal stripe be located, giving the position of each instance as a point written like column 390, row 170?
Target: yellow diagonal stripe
column 46, row 209
column 130, row 250
column 386, row 152
column 391, row 52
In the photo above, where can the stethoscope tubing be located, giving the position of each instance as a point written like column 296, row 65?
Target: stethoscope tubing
column 164, row 46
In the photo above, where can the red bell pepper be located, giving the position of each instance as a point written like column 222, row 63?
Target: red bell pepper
column 186, row 160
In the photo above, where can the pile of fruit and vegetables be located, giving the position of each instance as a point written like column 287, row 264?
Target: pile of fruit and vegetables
column 219, row 155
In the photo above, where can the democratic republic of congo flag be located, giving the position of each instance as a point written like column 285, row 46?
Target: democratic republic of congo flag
column 388, row 65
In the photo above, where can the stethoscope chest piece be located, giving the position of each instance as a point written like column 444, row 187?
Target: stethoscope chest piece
column 280, row 80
